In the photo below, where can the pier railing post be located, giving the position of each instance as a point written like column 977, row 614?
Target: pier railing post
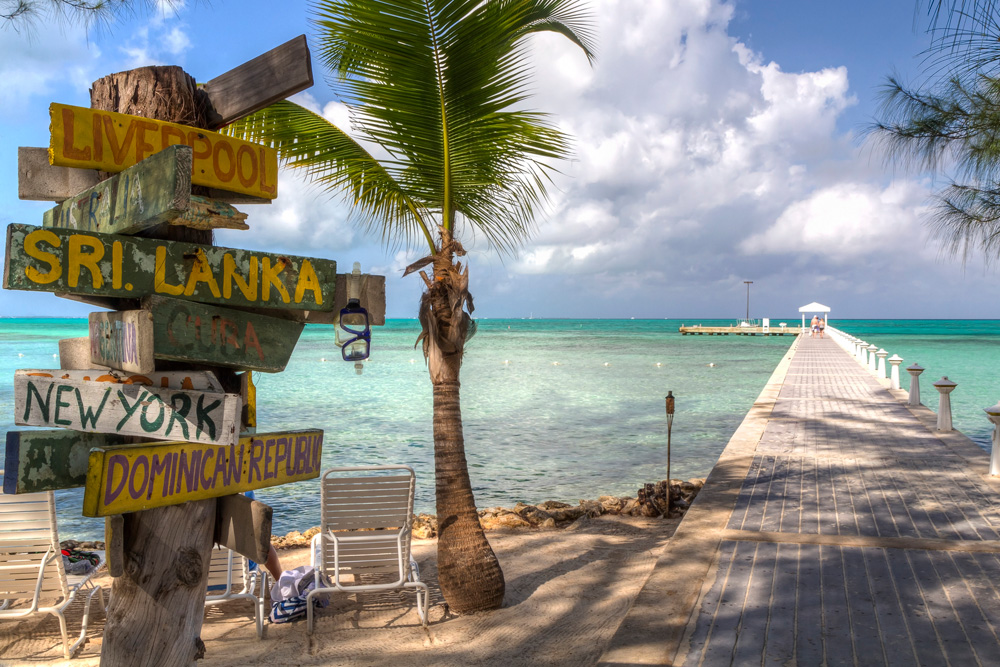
column 914, row 370
column 894, row 361
column 881, row 354
column 945, row 387
column 871, row 357
column 862, row 352
column 993, row 414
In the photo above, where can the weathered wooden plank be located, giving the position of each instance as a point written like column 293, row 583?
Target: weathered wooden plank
column 196, row 380
column 50, row 460
column 114, row 544
column 372, row 298
column 111, row 265
column 74, row 354
column 139, row 477
column 193, row 332
column 205, row 213
column 122, row 340
column 275, row 75
column 152, row 192
column 109, row 141
column 244, row 525
column 37, row 180
column 126, row 409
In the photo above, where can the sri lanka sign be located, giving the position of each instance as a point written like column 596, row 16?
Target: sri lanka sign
column 93, row 139
column 126, row 409
column 63, row 260
column 137, row 477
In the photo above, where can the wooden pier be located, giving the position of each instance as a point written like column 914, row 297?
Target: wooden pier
column 838, row 527
column 698, row 330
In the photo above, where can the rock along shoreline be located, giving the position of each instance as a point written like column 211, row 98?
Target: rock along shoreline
column 650, row 501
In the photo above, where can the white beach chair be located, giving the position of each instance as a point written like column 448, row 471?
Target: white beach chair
column 230, row 578
column 32, row 577
column 364, row 534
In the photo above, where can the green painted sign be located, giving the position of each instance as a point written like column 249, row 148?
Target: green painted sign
column 111, row 265
column 193, row 332
column 50, row 460
column 155, row 191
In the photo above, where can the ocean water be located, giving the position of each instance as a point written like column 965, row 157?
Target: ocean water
column 576, row 411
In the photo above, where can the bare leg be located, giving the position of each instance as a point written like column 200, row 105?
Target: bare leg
column 273, row 565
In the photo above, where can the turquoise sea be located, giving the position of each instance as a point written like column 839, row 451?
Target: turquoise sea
column 553, row 409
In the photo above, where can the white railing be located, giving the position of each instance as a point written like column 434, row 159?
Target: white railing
column 874, row 359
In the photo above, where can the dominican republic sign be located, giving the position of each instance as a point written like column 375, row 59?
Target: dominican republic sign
column 93, row 139
column 139, row 477
column 126, row 409
column 111, row 265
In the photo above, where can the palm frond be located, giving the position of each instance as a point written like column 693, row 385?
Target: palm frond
column 330, row 158
column 438, row 84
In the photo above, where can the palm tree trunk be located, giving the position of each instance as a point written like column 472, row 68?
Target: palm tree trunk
column 468, row 571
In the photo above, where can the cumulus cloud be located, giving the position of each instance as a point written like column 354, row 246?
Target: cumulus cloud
column 845, row 221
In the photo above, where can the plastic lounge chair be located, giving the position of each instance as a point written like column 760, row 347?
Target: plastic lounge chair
column 230, row 578
column 33, row 579
column 364, row 534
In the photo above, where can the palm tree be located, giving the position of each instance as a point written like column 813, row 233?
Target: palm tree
column 440, row 87
column 952, row 123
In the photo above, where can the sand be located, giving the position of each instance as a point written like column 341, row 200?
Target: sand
column 567, row 591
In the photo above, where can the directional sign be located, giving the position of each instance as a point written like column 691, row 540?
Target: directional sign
column 272, row 76
column 155, row 191
column 205, row 213
column 126, row 409
column 110, row 265
column 188, row 331
column 109, row 141
column 37, row 180
column 196, row 380
column 139, row 477
column 50, row 460
column 122, row 340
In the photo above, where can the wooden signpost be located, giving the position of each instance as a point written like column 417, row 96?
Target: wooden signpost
column 50, row 460
column 126, row 409
column 173, row 184
column 140, row 477
column 109, row 141
column 122, row 340
column 60, row 260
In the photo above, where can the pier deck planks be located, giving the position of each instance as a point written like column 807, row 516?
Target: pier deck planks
column 837, row 527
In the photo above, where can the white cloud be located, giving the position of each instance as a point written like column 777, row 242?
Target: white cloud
column 846, row 221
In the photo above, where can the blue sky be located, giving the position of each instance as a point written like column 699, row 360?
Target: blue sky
column 716, row 142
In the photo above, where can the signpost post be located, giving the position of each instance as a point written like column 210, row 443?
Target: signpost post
column 179, row 299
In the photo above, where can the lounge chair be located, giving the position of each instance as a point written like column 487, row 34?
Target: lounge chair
column 365, row 523
column 230, row 578
column 32, row 577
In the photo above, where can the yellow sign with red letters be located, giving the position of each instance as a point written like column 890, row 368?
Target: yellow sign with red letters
column 112, row 142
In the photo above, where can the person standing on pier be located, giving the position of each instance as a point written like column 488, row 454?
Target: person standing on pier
column 814, row 326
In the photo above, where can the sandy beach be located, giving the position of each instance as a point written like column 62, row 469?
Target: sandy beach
column 567, row 591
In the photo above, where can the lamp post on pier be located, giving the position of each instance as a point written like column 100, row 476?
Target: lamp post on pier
column 748, row 283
